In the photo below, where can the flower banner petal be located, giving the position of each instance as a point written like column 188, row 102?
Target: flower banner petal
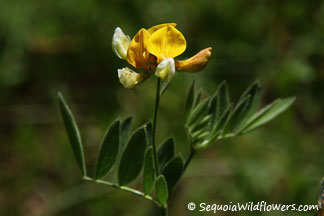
column 166, row 42
column 157, row 27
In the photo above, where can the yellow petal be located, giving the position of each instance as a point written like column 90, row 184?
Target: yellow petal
column 166, row 42
column 195, row 63
column 157, row 27
column 137, row 54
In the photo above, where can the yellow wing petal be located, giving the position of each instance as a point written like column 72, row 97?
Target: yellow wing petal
column 157, row 27
column 166, row 42
column 137, row 54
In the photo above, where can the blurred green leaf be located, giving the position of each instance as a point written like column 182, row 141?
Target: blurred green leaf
column 161, row 189
column 133, row 157
column 190, row 100
column 173, row 171
column 148, row 179
column 109, row 150
column 73, row 133
column 165, row 152
column 267, row 113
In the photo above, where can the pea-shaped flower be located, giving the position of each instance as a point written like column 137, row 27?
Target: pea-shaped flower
column 153, row 51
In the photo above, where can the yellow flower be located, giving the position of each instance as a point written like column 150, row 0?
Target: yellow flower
column 153, row 51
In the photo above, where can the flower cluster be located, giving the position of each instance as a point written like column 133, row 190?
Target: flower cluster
column 153, row 51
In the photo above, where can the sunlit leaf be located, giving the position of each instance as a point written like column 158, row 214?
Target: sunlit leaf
column 148, row 179
column 73, row 133
column 133, row 157
column 109, row 150
column 161, row 189
column 267, row 113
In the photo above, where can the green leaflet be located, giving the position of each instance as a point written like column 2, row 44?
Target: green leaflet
column 198, row 112
column 223, row 100
column 73, row 133
column 237, row 115
column 133, row 157
column 267, row 113
column 165, row 152
column 190, row 100
column 173, row 171
column 125, row 129
column 148, row 178
column 109, row 150
column 255, row 92
column 197, row 98
column 161, row 189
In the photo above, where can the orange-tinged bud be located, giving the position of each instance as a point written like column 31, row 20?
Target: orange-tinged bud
column 195, row 63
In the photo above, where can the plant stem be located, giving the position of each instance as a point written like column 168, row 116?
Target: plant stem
column 123, row 188
column 155, row 156
column 156, row 108
column 191, row 155
column 165, row 211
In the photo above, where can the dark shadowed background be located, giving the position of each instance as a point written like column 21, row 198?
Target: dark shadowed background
column 47, row 46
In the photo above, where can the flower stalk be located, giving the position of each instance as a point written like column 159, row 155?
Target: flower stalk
column 155, row 113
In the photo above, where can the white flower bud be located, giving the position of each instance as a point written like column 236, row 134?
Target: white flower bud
column 120, row 43
column 129, row 78
column 166, row 69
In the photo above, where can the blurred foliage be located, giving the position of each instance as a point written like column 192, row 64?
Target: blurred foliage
column 46, row 46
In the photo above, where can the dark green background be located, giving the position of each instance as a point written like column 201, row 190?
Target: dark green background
column 65, row 45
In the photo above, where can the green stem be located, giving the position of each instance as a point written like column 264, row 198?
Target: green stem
column 165, row 211
column 191, row 155
column 156, row 108
column 123, row 188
